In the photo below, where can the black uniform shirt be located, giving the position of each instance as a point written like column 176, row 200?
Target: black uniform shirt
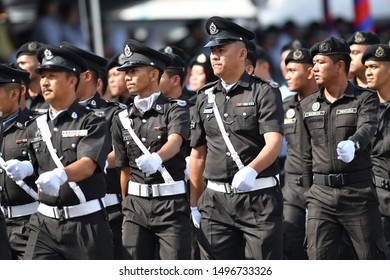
column 76, row 133
column 152, row 128
column 292, row 127
column 15, row 146
column 108, row 109
column 354, row 116
column 380, row 154
column 37, row 104
column 250, row 109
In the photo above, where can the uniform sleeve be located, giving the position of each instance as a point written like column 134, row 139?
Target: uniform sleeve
column 306, row 151
column 367, row 119
column 121, row 158
column 97, row 144
column 198, row 135
column 179, row 121
column 270, row 110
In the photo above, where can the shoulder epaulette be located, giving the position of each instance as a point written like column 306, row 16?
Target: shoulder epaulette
column 180, row 102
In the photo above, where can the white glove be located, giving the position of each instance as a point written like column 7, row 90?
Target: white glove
column 51, row 181
column 149, row 164
column 244, row 179
column 187, row 170
column 346, row 151
column 195, row 215
column 18, row 170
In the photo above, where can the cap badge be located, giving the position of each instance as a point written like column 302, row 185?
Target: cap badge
column 93, row 103
column 158, row 107
column 298, row 55
column 32, row 46
column 316, row 106
column 74, row 115
column 201, row 58
column 359, row 37
column 121, row 59
column 168, row 50
column 213, row 29
column 128, row 52
column 48, row 54
column 18, row 124
column 290, row 113
column 325, row 47
column 380, row 52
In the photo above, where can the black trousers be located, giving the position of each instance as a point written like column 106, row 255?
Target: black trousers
column 241, row 226
column 294, row 219
column 161, row 223
column 115, row 219
column 86, row 238
column 5, row 250
column 18, row 232
column 333, row 212
column 384, row 207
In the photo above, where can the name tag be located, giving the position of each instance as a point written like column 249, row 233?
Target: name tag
column 290, row 121
column 346, row 111
column 245, row 104
column 74, row 133
column 314, row 114
column 207, row 111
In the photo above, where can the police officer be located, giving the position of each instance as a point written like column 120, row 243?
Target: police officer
column 26, row 59
column 116, row 80
column 300, row 79
column 240, row 211
column 152, row 132
column 339, row 120
column 358, row 43
column 17, row 198
column 89, row 97
column 68, row 146
column 376, row 59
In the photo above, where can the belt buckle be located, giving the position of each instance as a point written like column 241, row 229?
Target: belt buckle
column 63, row 214
column 335, row 180
column 154, row 190
column 228, row 189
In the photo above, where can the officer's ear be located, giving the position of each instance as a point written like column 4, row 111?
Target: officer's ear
column 310, row 73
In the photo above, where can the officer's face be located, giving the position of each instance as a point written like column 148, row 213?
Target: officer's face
column 57, row 86
column 116, row 82
column 167, row 84
column 325, row 70
column 138, row 81
column 28, row 63
column 282, row 65
column 297, row 75
column 356, row 67
column 7, row 100
column 197, row 77
column 377, row 74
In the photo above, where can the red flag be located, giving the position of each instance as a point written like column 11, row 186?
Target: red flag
column 363, row 20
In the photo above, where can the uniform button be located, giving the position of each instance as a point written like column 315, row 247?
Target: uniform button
column 143, row 139
column 143, row 120
column 227, row 97
column 24, row 153
column 1, row 188
column 227, row 134
column 1, row 171
column 73, row 145
column 226, row 115
column 244, row 114
column 228, row 154
column 159, row 137
column 55, row 129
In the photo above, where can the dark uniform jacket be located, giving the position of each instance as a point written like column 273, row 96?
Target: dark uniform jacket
column 37, row 104
column 292, row 127
column 107, row 109
column 354, row 116
column 15, row 146
column 166, row 117
column 76, row 133
column 250, row 109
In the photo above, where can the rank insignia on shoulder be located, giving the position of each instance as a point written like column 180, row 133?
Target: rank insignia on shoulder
column 74, row 133
column 193, row 125
column 99, row 113
column 245, row 104
column 21, row 141
column 181, row 103
column 273, row 84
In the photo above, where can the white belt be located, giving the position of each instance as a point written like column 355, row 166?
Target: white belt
column 19, row 210
column 155, row 190
column 68, row 212
column 260, row 183
column 111, row 199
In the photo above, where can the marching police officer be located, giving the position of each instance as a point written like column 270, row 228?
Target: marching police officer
column 17, row 198
column 236, row 136
column 339, row 121
column 26, row 59
column 88, row 97
column 358, row 43
column 300, row 79
column 376, row 59
column 149, row 140
column 68, row 147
